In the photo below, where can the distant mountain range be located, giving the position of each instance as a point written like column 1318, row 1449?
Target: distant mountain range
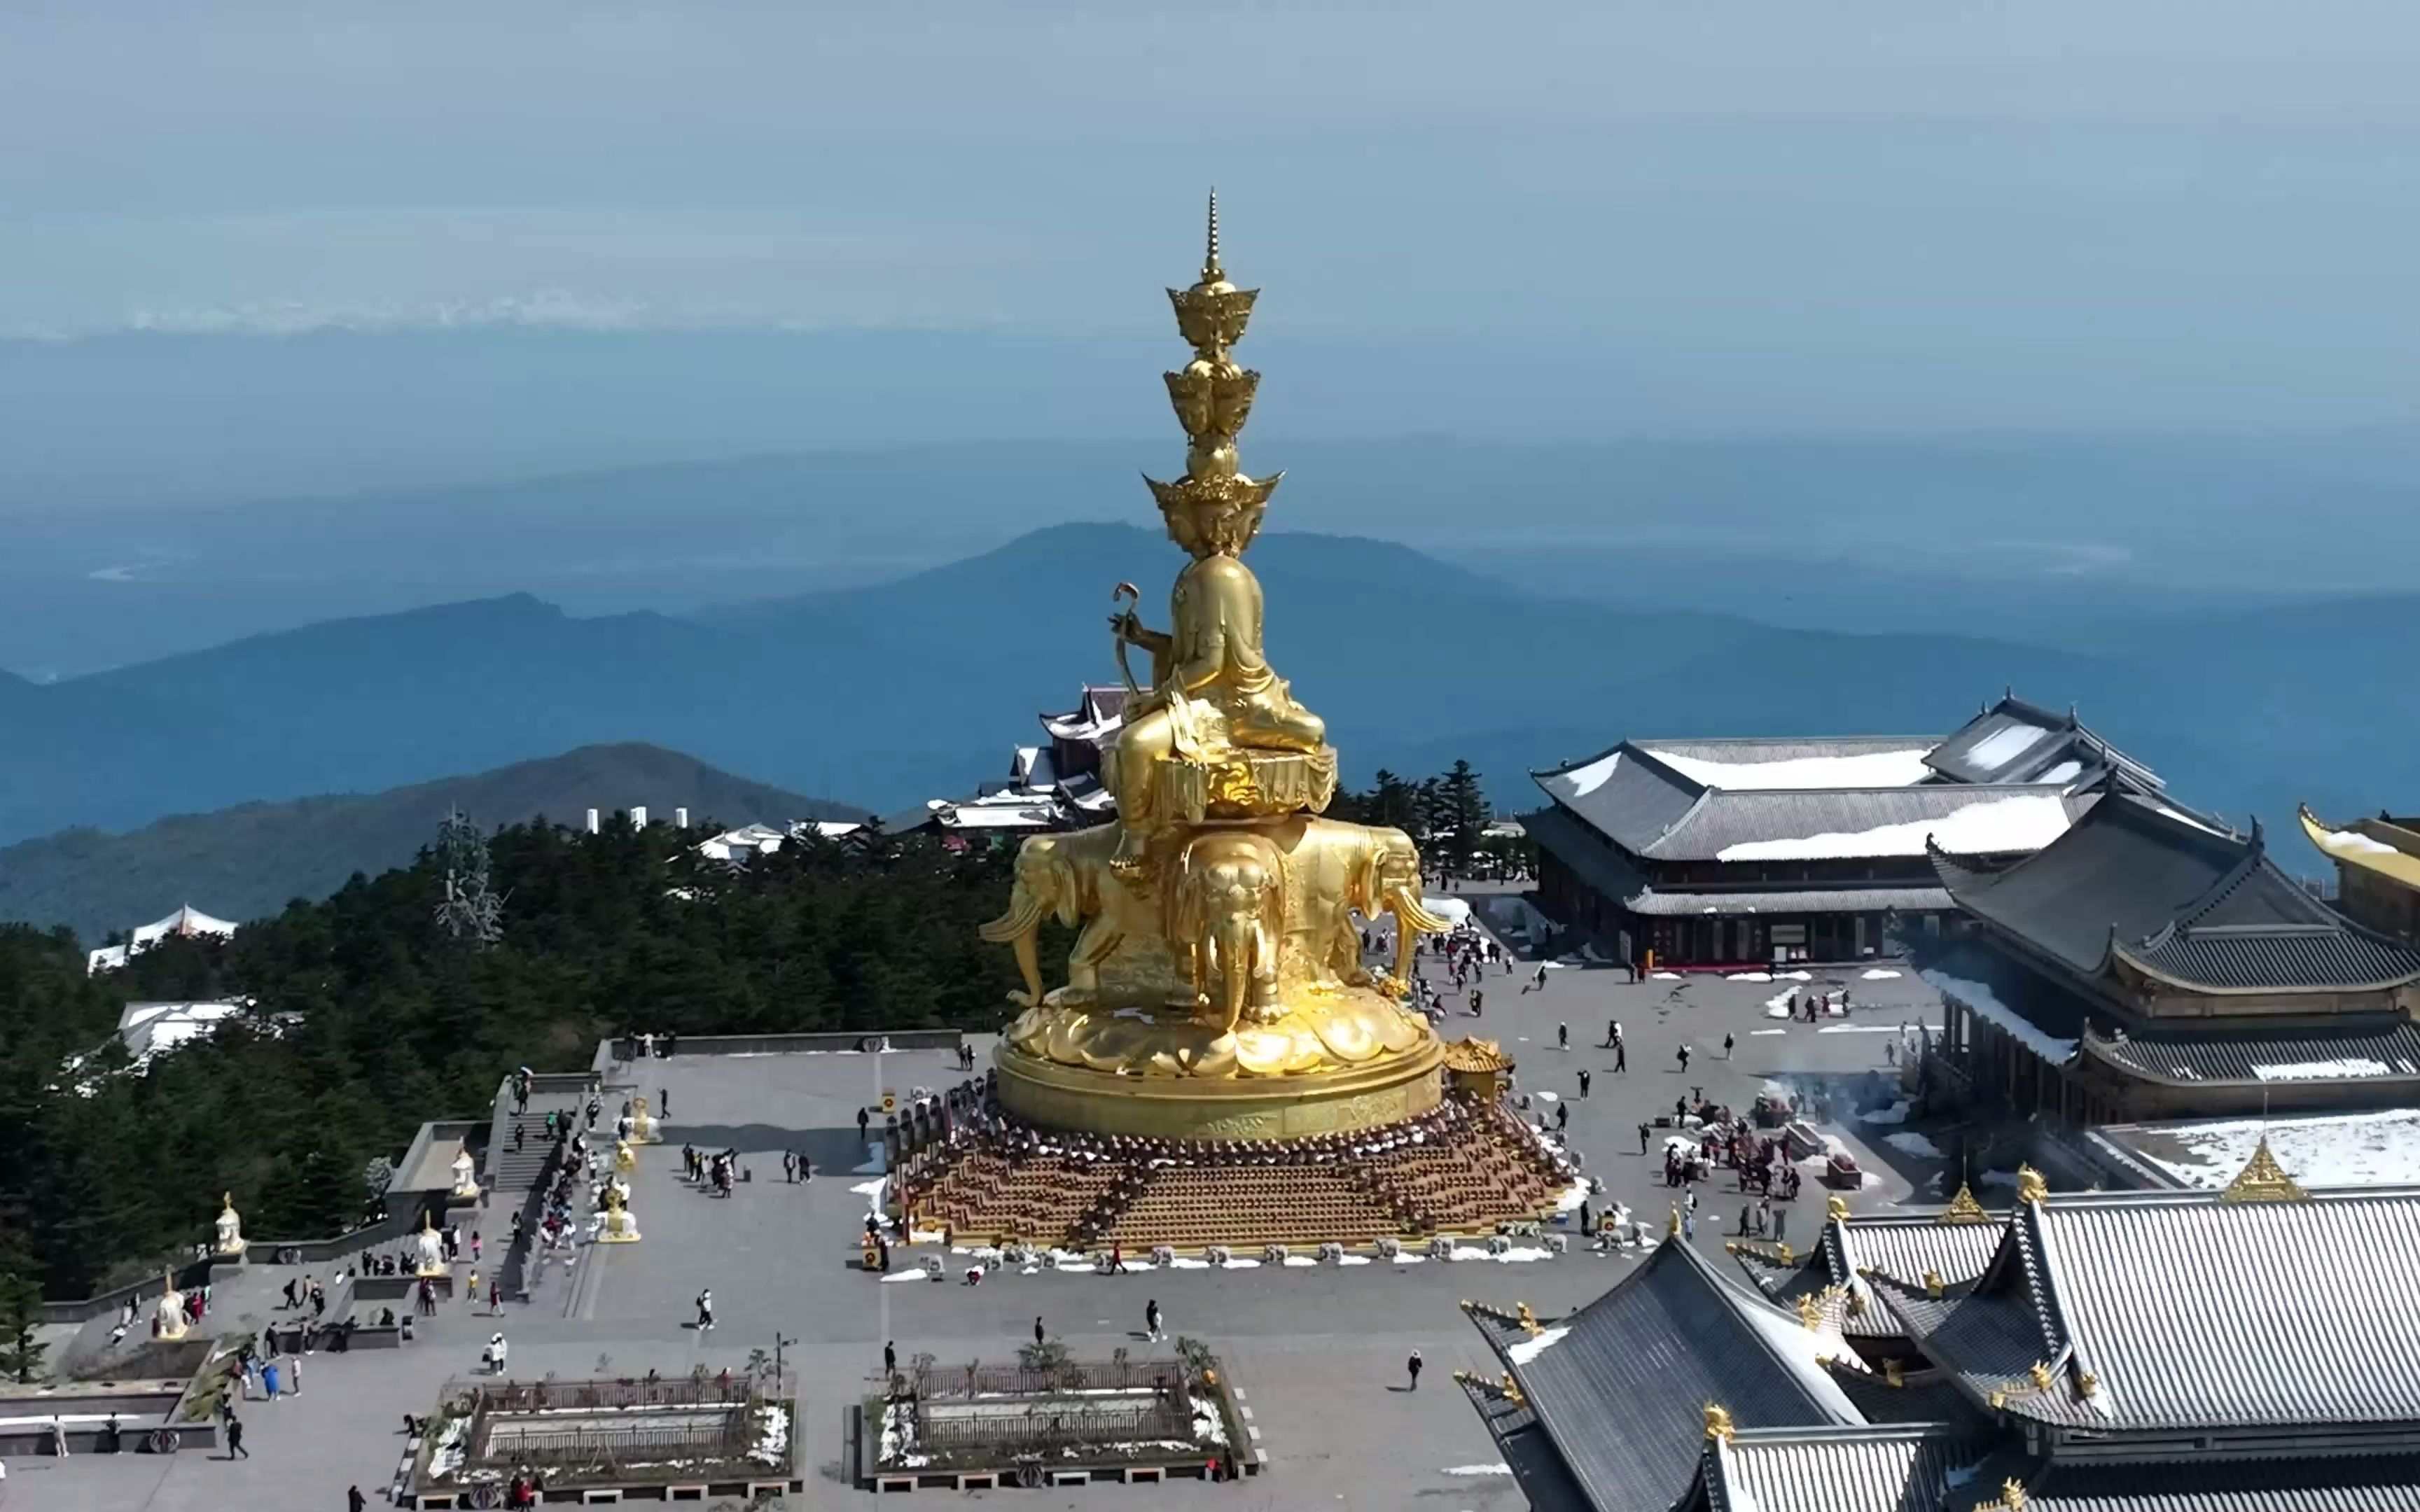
column 248, row 861
column 885, row 695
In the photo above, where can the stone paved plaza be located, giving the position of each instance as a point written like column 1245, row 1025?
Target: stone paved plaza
column 1319, row 1353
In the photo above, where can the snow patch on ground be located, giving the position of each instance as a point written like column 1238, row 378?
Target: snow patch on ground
column 1878, row 973
column 1663, row 976
column 1896, row 1113
column 1768, row 1031
column 1749, row 976
column 1475, row 1470
column 1908, row 1142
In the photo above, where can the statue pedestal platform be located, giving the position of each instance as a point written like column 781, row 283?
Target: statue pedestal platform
column 1053, row 1096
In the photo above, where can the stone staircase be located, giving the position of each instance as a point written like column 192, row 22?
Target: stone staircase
column 516, row 1179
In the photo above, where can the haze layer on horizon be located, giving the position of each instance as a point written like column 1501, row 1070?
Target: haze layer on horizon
column 1550, row 222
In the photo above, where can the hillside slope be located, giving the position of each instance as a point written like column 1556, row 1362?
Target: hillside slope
column 250, row 860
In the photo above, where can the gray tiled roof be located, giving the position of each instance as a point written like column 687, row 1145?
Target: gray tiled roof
column 1841, row 1470
column 2195, row 1313
column 1537, row 1465
column 2014, row 741
column 1906, row 1247
column 2186, row 1056
column 1613, row 874
column 1724, row 819
column 1632, row 802
column 1620, row 1389
column 2366, row 1483
column 1653, row 810
column 2140, row 880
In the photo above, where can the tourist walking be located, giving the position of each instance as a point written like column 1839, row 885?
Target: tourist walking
column 1684, row 1055
column 1584, row 1081
column 1612, row 1033
column 1643, row 1132
column 706, row 1309
column 1562, row 1037
column 789, row 1168
column 1727, row 1042
column 1038, row 1335
column 235, row 1439
column 1151, row 1319
column 1414, row 1365
column 355, row 1500
column 889, row 1359
column 1117, row 1259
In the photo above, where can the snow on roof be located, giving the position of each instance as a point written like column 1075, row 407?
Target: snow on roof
column 1587, row 779
column 186, row 922
column 1985, row 1003
column 2331, row 1149
column 2008, row 743
column 2001, row 825
column 1897, row 768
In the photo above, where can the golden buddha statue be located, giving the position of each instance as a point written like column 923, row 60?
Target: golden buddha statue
column 1215, row 986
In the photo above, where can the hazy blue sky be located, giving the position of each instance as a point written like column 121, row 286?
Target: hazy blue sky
column 1790, row 215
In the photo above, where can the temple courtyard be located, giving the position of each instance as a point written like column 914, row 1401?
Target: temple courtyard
column 1317, row 1353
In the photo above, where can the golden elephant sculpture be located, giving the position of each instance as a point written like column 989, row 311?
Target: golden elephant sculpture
column 1226, row 915
column 1344, row 869
column 1068, row 876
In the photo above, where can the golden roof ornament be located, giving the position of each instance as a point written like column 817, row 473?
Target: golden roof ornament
column 2087, row 1385
column 2031, row 1188
column 1836, row 1208
column 1932, row 1283
column 2039, row 1372
column 1895, row 1373
column 1811, row 1312
column 1512, row 1390
column 1963, row 1209
column 1718, row 1424
column 1529, row 1323
column 1673, row 1225
column 2262, row 1180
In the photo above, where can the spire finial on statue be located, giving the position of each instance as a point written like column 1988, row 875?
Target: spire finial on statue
column 1211, row 271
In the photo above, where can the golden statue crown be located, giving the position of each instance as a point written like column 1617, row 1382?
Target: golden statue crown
column 1211, row 395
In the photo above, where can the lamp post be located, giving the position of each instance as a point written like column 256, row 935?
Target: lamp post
column 777, row 1343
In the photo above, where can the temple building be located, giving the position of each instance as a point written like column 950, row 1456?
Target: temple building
column 2151, row 964
column 2253, row 1348
column 2378, row 870
column 1052, row 786
column 187, row 922
column 1728, row 853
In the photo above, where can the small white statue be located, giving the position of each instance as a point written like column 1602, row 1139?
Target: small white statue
column 168, row 1319
column 466, row 1176
column 430, row 1249
column 230, row 1228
